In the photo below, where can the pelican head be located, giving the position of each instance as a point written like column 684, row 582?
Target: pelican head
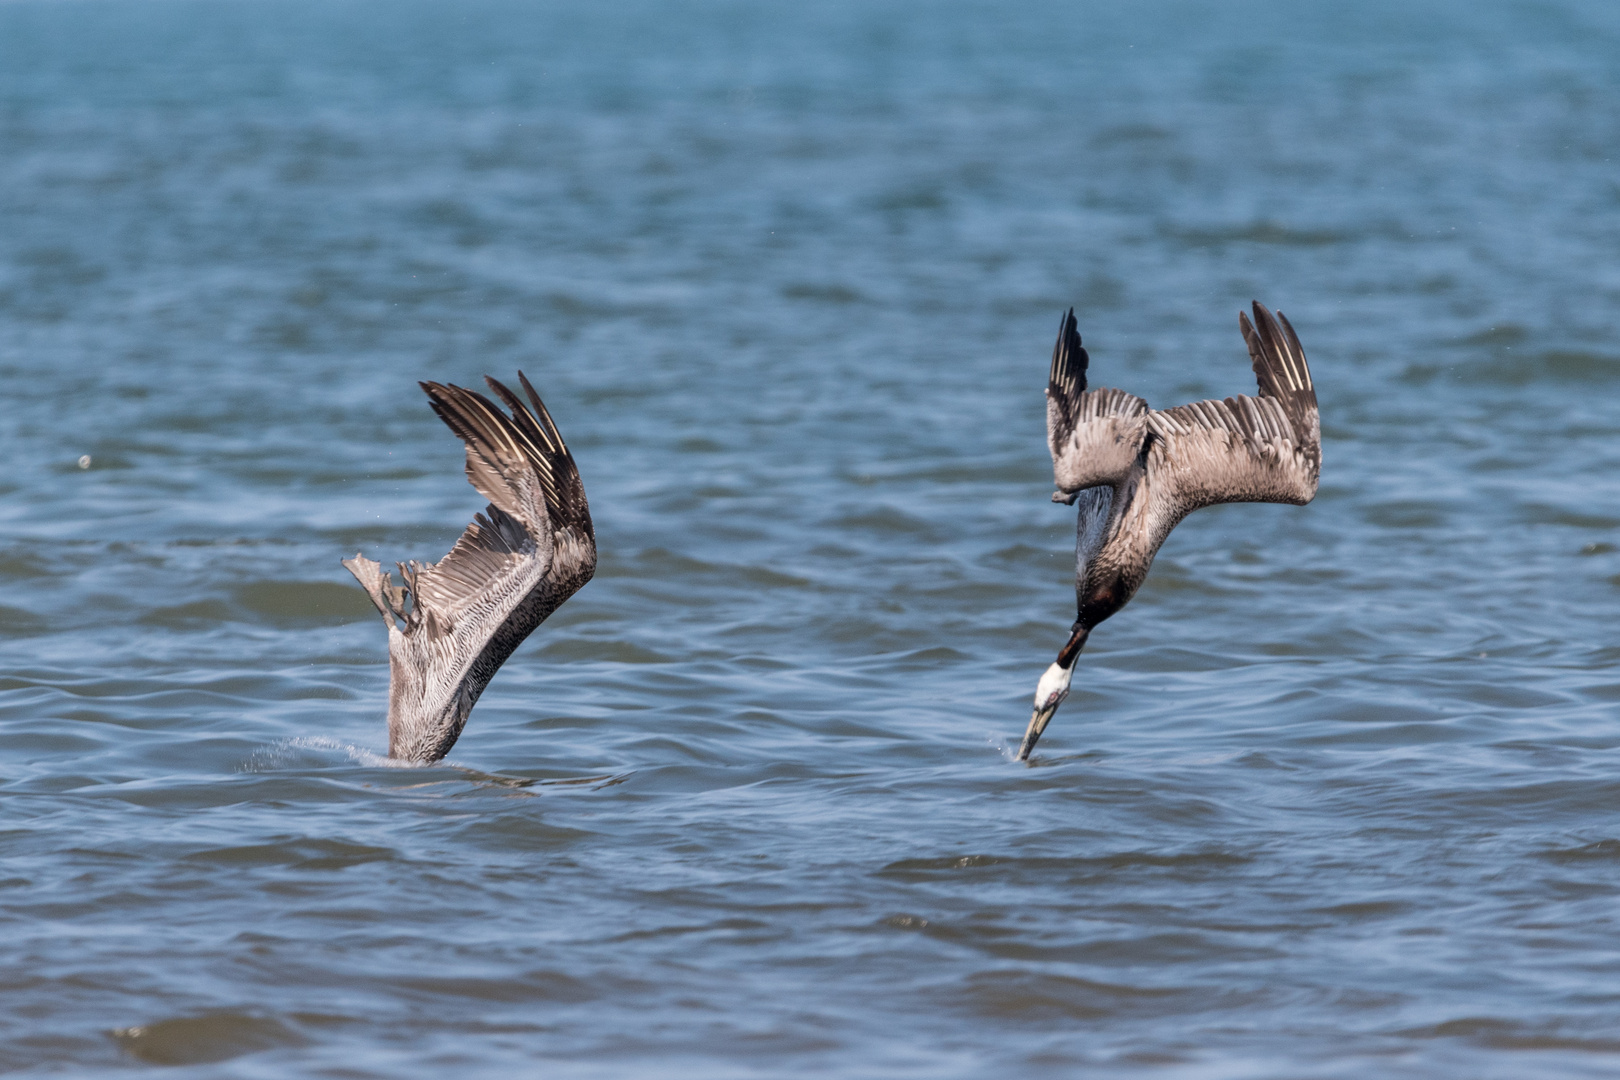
column 1049, row 694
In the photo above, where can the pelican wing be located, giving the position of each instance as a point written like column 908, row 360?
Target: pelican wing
column 521, row 465
column 1095, row 435
column 559, row 477
column 573, row 536
column 1247, row 449
column 507, row 549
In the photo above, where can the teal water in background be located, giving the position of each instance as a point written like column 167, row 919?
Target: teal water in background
column 1338, row 795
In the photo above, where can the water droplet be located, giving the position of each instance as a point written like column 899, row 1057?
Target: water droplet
column 84, row 461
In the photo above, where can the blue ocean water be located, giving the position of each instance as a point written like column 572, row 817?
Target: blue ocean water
column 1337, row 795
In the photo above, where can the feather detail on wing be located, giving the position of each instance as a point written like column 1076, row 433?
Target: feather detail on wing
column 1095, row 436
column 1066, row 383
column 1247, row 449
column 537, row 508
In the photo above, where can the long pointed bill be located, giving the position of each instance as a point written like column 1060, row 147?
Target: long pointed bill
column 1037, row 725
column 1053, row 688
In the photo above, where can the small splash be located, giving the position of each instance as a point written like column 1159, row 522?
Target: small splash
column 84, row 461
column 291, row 753
column 1007, row 750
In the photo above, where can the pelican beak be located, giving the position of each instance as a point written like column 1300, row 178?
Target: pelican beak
column 1053, row 688
column 1037, row 724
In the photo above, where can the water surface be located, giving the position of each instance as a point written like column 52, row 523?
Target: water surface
column 1338, row 795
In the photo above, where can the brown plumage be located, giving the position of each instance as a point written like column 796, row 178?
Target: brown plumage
column 452, row 624
column 1136, row 472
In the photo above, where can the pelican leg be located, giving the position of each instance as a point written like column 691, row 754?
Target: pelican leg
column 388, row 597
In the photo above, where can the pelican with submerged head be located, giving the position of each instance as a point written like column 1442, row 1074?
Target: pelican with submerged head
column 1135, row 472
column 452, row 624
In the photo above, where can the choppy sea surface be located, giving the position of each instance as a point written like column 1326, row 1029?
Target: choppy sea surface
column 1338, row 795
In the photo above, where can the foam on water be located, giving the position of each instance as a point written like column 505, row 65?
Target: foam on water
column 285, row 754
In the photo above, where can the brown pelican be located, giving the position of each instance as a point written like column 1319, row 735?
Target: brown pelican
column 453, row 624
column 1136, row 472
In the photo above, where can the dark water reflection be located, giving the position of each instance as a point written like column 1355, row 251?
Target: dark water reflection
column 1338, row 795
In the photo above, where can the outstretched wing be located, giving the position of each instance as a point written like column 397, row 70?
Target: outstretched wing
column 1095, row 436
column 537, row 510
column 1246, row 449
column 559, row 477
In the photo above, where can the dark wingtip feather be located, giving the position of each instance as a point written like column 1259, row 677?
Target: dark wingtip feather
column 1280, row 368
column 1286, row 356
column 565, row 493
column 533, row 429
column 1066, row 382
column 1067, row 379
column 542, row 412
column 1298, row 349
column 1069, row 357
column 441, row 399
column 492, row 437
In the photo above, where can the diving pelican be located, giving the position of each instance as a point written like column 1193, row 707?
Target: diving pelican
column 451, row 625
column 1136, row 472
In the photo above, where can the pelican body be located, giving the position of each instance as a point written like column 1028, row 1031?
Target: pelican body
column 1135, row 472
column 452, row 624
